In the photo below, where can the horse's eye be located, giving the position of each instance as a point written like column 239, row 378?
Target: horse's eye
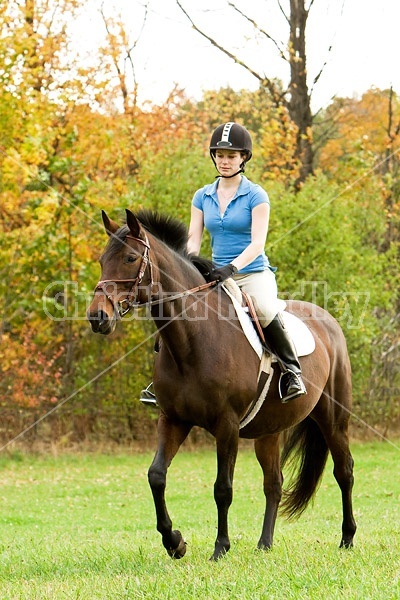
column 130, row 258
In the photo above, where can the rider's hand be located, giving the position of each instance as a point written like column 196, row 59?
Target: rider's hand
column 223, row 273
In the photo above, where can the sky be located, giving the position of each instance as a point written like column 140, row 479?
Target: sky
column 363, row 36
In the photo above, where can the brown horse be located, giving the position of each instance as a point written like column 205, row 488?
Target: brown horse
column 206, row 375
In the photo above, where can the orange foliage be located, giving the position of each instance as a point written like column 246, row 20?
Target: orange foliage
column 367, row 142
column 33, row 375
column 363, row 131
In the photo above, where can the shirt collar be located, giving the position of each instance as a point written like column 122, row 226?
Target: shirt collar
column 243, row 188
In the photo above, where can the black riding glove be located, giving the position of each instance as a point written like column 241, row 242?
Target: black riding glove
column 223, row 273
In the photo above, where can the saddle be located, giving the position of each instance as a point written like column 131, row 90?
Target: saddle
column 301, row 335
column 245, row 311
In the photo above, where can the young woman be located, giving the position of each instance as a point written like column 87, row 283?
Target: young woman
column 235, row 211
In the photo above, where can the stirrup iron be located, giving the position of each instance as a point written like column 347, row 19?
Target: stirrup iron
column 282, row 387
column 147, row 397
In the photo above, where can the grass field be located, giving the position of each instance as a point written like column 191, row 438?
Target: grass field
column 83, row 527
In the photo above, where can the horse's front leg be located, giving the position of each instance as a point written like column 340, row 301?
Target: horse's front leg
column 227, row 448
column 170, row 437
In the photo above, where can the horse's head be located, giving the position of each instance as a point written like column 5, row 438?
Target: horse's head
column 126, row 276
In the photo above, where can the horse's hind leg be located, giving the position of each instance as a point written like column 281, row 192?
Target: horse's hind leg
column 170, row 437
column 343, row 472
column 336, row 437
column 268, row 452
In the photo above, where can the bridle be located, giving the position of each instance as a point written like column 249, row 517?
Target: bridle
column 122, row 307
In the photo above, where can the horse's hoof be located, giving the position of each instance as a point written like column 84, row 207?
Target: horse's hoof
column 180, row 550
column 346, row 544
column 264, row 546
column 219, row 552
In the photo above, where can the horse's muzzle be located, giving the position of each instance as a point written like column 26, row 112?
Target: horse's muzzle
column 101, row 322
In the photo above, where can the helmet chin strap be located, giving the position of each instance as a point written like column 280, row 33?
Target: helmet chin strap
column 229, row 176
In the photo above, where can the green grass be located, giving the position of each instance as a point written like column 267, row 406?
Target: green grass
column 83, row 527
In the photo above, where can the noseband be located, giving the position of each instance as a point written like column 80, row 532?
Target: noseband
column 122, row 307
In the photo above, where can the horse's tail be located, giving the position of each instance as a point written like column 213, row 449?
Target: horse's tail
column 307, row 450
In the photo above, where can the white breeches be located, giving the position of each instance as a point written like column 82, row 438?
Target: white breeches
column 262, row 289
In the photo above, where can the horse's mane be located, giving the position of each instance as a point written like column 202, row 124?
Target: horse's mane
column 175, row 234
column 166, row 228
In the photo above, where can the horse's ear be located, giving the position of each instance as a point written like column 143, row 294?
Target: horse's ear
column 133, row 223
column 110, row 226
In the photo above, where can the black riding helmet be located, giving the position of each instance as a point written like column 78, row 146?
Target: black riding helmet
column 231, row 136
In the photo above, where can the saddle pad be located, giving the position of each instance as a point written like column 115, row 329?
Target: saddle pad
column 300, row 334
column 302, row 337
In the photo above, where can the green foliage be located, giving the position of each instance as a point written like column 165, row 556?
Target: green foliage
column 168, row 181
column 324, row 242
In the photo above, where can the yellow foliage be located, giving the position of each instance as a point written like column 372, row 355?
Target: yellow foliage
column 15, row 174
column 366, row 129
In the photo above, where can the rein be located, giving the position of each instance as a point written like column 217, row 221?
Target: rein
column 178, row 295
column 122, row 307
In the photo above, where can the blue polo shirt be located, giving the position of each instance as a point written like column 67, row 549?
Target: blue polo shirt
column 231, row 232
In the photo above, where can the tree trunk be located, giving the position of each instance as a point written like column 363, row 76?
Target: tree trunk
column 32, row 61
column 299, row 101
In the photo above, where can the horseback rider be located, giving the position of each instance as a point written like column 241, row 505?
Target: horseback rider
column 235, row 211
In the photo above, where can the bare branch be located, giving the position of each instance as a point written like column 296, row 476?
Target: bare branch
column 316, row 78
column 320, row 140
column 130, row 50
column 278, row 46
column 264, row 81
column 283, row 12
column 146, row 13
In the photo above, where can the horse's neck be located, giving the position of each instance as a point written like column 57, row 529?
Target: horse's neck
column 180, row 321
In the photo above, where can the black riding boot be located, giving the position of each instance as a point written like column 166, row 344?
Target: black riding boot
column 277, row 337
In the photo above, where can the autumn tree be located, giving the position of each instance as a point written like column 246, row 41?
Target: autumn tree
column 294, row 103
column 68, row 151
column 365, row 139
column 57, row 157
column 364, row 149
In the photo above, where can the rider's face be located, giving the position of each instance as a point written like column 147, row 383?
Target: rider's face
column 228, row 161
